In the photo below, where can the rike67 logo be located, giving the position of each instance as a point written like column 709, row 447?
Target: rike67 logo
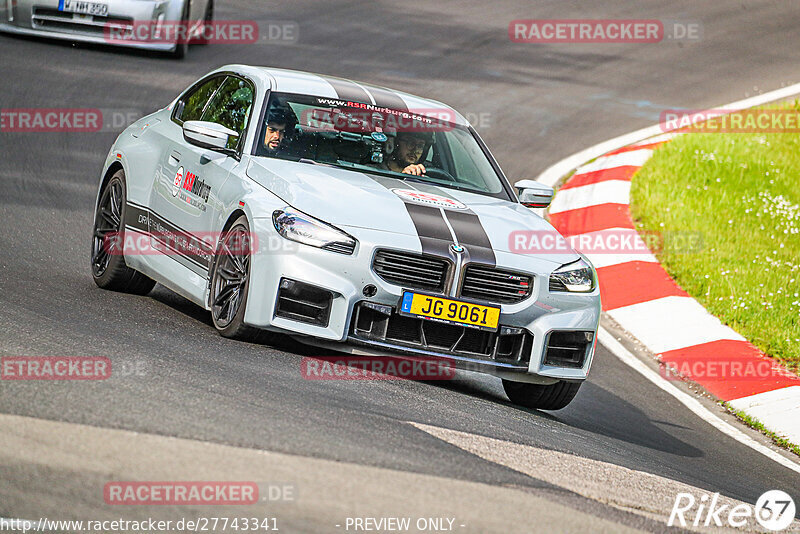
column 774, row 511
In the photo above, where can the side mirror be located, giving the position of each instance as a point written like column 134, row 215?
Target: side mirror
column 208, row 134
column 534, row 194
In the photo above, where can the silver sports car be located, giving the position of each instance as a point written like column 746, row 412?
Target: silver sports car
column 163, row 25
column 351, row 217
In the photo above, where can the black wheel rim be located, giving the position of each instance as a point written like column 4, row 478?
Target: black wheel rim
column 230, row 276
column 107, row 224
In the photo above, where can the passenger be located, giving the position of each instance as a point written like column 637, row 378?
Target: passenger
column 409, row 151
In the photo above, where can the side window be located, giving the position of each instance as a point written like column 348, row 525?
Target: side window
column 192, row 105
column 231, row 106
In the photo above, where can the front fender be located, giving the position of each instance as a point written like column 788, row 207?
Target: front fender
column 241, row 193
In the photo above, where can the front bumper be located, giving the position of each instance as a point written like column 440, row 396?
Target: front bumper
column 345, row 277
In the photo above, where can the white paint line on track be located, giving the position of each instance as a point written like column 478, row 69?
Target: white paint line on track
column 689, row 323
column 597, row 246
column 609, row 192
column 634, row 158
column 776, row 409
column 616, row 348
column 555, row 172
column 657, row 139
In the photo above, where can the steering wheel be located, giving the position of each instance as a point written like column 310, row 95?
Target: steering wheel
column 440, row 174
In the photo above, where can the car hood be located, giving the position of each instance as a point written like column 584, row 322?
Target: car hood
column 356, row 199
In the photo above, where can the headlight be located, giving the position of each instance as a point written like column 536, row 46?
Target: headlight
column 576, row 277
column 298, row 226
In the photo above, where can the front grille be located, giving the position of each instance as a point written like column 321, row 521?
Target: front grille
column 495, row 285
column 48, row 18
column 374, row 322
column 416, row 271
column 568, row 348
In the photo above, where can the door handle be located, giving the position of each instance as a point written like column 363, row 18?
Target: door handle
column 174, row 158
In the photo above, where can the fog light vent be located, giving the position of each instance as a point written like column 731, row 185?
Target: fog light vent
column 568, row 349
column 303, row 302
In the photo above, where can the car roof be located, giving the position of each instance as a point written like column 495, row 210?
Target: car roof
column 306, row 83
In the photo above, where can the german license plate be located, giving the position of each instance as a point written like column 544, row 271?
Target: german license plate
column 449, row 311
column 84, row 8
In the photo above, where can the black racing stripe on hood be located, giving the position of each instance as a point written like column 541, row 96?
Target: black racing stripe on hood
column 434, row 235
column 388, row 182
column 471, row 234
column 433, row 232
column 387, row 99
column 347, row 90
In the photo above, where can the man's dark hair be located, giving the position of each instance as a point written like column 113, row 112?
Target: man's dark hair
column 279, row 115
column 424, row 136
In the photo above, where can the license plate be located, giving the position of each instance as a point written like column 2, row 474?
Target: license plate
column 449, row 311
column 84, row 8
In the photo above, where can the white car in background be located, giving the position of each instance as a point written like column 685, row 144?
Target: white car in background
column 111, row 21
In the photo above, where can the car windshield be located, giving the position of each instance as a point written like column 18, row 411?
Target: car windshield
column 369, row 138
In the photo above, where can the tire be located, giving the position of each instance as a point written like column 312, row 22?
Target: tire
column 109, row 270
column 181, row 49
column 208, row 18
column 230, row 281
column 541, row 397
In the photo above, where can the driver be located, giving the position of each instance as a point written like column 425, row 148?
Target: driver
column 409, row 150
column 276, row 128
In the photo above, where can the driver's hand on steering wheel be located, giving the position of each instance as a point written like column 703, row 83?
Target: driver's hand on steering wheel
column 416, row 170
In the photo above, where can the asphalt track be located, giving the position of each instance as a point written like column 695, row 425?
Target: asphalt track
column 533, row 104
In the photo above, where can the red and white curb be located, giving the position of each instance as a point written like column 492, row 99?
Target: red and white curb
column 639, row 295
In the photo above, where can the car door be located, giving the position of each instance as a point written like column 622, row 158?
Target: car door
column 185, row 202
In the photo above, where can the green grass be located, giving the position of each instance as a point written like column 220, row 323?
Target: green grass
column 756, row 424
column 740, row 193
